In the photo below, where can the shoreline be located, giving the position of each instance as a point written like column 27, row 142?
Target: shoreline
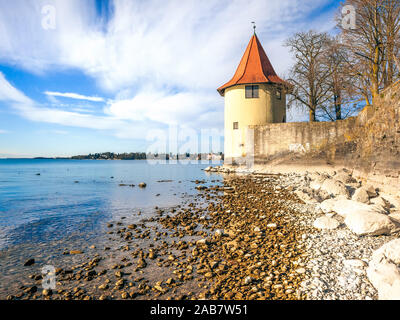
column 254, row 237
column 185, row 253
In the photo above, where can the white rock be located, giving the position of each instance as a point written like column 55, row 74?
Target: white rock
column 305, row 197
column 272, row 225
column 208, row 169
column 395, row 216
column 355, row 263
column 317, row 182
column 257, row 229
column 389, row 251
column 383, row 271
column 361, row 195
column 385, row 277
column 328, row 205
column 345, row 207
column 248, row 280
column 326, row 223
column 371, row 191
column 380, row 201
column 335, row 188
column 344, row 177
column 201, row 242
column 301, row 270
column 219, row 232
column 369, row 223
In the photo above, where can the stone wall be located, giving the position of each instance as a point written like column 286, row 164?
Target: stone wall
column 368, row 144
column 378, row 138
column 277, row 139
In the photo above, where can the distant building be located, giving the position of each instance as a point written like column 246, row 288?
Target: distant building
column 254, row 96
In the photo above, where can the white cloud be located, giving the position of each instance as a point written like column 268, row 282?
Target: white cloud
column 162, row 60
column 176, row 44
column 33, row 111
column 131, row 119
column 174, row 108
column 73, row 96
column 10, row 93
column 3, row 131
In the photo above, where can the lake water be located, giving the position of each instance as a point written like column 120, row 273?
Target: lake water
column 49, row 205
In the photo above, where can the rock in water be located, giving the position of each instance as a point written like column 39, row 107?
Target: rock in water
column 75, row 252
column 29, row 262
column 142, row 185
column 326, row 223
column 47, row 292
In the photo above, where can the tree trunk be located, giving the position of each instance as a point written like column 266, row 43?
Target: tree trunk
column 312, row 115
column 338, row 107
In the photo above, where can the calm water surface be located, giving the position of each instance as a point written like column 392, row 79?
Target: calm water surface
column 47, row 206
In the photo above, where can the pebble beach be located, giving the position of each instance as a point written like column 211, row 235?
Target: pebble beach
column 252, row 236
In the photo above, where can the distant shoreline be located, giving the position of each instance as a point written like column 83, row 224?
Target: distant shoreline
column 151, row 159
column 131, row 156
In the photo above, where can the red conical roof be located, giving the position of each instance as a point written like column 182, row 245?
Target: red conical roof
column 254, row 67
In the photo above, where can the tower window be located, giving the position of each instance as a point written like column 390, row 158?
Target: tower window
column 235, row 125
column 278, row 94
column 251, row 92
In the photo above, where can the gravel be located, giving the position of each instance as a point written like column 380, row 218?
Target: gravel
column 329, row 275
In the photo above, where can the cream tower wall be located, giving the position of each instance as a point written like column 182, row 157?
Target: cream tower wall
column 267, row 108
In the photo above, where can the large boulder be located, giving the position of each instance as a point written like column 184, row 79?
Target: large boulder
column 395, row 216
column 385, row 277
column 326, row 223
column 389, row 251
column 369, row 223
column 344, row 207
column 327, row 205
column 334, row 188
column 383, row 270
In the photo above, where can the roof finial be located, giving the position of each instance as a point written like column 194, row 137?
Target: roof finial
column 254, row 26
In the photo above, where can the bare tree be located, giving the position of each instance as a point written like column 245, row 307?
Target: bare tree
column 334, row 58
column 391, row 34
column 309, row 74
column 372, row 45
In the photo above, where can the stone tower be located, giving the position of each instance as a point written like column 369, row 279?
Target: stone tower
column 254, row 96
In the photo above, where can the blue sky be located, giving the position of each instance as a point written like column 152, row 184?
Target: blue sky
column 84, row 76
